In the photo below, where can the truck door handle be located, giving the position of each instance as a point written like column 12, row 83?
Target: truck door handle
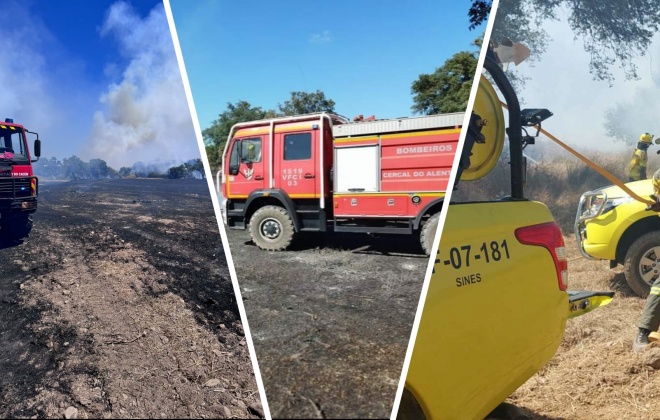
column 308, row 176
column 258, row 177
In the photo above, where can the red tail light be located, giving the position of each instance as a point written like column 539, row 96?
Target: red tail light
column 548, row 235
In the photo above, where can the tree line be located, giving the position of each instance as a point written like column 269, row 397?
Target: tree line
column 74, row 168
column 447, row 89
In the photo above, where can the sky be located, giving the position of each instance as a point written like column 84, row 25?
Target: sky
column 363, row 55
column 560, row 81
column 98, row 79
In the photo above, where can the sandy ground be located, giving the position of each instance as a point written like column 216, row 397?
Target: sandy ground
column 330, row 320
column 119, row 304
column 595, row 374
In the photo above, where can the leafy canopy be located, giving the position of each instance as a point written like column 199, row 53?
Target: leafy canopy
column 448, row 88
column 613, row 32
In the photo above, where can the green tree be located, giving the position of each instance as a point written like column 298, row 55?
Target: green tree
column 98, row 168
column 448, row 88
column 215, row 136
column 124, row 171
column 177, row 172
column 479, row 12
column 75, row 168
column 306, row 103
column 613, row 32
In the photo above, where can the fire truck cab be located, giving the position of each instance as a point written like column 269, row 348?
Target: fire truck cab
column 320, row 172
column 18, row 185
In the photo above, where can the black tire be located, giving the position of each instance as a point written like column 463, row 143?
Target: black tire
column 428, row 233
column 642, row 263
column 16, row 227
column 271, row 228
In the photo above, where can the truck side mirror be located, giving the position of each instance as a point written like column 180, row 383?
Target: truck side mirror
column 37, row 147
column 233, row 170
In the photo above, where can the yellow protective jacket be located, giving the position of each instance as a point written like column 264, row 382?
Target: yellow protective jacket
column 637, row 167
column 656, row 183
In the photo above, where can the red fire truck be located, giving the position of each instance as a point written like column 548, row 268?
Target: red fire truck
column 18, row 186
column 320, row 172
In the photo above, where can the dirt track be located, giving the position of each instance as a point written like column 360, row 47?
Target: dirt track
column 330, row 320
column 119, row 304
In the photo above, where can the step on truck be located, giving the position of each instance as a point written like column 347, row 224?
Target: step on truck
column 18, row 185
column 498, row 299
column 320, row 173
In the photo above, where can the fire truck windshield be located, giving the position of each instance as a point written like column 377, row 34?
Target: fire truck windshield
column 12, row 144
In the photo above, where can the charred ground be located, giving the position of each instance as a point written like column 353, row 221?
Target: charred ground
column 119, row 304
column 331, row 320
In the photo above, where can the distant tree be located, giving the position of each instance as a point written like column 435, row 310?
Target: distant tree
column 613, row 32
column 306, row 103
column 75, row 168
column 124, row 171
column 195, row 169
column 177, row 172
column 448, row 88
column 98, row 168
column 49, row 168
column 241, row 111
column 215, row 136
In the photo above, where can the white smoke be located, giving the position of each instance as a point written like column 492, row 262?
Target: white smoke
column 29, row 88
column 146, row 116
column 561, row 82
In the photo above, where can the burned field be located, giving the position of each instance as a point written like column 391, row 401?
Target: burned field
column 330, row 320
column 119, row 304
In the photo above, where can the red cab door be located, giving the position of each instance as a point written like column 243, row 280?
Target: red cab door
column 296, row 157
column 245, row 168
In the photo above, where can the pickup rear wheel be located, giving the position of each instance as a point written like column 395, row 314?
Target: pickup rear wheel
column 642, row 263
column 271, row 228
column 428, row 233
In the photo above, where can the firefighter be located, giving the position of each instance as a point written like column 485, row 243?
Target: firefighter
column 637, row 167
column 650, row 320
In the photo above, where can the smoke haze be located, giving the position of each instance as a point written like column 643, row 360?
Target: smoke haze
column 146, row 116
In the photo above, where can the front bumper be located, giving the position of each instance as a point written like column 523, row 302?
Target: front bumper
column 581, row 218
column 19, row 194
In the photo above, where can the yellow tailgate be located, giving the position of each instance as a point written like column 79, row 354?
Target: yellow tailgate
column 488, row 323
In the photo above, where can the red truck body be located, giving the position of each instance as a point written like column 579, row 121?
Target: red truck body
column 18, row 185
column 382, row 176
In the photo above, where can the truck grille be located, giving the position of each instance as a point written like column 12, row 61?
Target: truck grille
column 15, row 188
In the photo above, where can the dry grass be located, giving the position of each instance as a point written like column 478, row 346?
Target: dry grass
column 595, row 374
column 557, row 181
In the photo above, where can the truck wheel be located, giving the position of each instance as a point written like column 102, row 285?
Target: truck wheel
column 428, row 233
column 17, row 227
column 271, row 228
column 642, row 263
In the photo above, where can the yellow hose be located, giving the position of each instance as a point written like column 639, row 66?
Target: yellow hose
column 591, row 164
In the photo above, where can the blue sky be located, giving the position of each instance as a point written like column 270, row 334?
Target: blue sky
column 364, row 55
column 98, row 79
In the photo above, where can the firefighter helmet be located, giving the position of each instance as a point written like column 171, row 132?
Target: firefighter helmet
column 646, row 138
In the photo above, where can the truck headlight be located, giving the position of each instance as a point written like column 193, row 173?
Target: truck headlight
column 599, row 204
column 614, row 202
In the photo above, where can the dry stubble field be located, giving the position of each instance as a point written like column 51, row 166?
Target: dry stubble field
column 595, row 373
column 119, row 305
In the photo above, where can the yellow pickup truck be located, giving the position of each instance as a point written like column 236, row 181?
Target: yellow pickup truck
column 611, row 225
column 497, row 302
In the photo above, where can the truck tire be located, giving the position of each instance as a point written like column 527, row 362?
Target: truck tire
column 16, row 227
column 642, row 263
column 428, row 233
column 271, row 228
